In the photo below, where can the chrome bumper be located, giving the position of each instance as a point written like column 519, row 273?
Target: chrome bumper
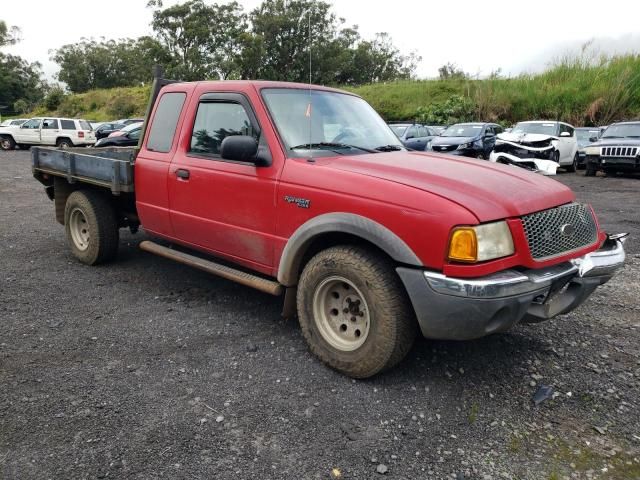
column 460, row 308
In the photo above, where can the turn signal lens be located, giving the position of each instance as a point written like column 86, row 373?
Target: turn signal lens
column 463, row 246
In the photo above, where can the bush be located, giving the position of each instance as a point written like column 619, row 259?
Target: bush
column 122, row 106
column 54, row 98
column 21, row 106
column 453, row 110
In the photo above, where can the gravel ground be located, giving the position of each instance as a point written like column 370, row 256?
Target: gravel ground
column 149, row 369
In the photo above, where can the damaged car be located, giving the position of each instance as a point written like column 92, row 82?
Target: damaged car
column 540, row 146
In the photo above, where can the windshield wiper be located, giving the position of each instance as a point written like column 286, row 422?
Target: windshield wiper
column 388, row 148
column 633, row 136
column 330, row 146
column 612, row 136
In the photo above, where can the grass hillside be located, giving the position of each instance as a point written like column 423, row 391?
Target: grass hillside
column 578, row 90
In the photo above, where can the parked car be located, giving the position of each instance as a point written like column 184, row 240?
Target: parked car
column 14, row 122
column 413, row 135
column 106, row 129
column 127, row 137
column 583, row 137
column 539, row 139
column 327, row 209
column 124, row 130
column 61, row 132
column 468, row 139
column 617, row 149
column 127, row 121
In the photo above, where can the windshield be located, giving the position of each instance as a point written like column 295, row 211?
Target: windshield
column 583, row 136
column 623, row 130
column 543, row 128
column 462, row 130
column 320, row 117
column 399, row 129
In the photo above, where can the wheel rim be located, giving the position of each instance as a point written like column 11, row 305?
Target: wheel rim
column 341, row 314
column 63, row 145
column 5, row 144
column 79, row 229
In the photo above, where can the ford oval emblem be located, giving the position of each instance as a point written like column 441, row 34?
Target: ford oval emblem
column 567, row 229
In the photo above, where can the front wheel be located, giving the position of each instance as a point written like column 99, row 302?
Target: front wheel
column 354, row 312
column 590, row 171
column 91, row 227
column 7, row 143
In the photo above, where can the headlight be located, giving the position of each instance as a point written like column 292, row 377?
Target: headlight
column 464, row 146
column 480, row 243
column 592, row 150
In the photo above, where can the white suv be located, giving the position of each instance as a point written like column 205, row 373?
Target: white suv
column 61, row 132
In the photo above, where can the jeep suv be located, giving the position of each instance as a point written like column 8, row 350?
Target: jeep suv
column 61, row 132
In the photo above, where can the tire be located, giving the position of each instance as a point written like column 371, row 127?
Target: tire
column 589, row 171
column 91, row 227
column 374, row 325
column 64, row 143
column 22, row 146
column 7, row 143
column 574, row 165
column 556, row 157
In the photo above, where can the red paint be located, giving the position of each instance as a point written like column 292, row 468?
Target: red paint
column 238, row 212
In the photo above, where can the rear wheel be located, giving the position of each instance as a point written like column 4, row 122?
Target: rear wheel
column 354, row 312
column 574, row 165
column 590, row 170
column 7, row 143
column 64, row 143
column 91, row 227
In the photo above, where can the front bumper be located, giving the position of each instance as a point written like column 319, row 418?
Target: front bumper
column 626, row 164
column 462, row 309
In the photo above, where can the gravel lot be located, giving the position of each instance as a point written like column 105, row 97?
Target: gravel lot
column 149, row 369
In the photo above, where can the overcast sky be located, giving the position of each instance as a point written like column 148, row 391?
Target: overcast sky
column 478, row 36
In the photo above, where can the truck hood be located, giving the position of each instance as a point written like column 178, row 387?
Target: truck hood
column 490, row 191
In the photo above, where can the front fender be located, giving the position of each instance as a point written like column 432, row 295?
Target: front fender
column 338, row 222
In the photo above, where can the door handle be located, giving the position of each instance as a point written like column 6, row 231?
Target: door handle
column 182, row 173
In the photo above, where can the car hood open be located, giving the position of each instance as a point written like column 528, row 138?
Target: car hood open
column 489, row 191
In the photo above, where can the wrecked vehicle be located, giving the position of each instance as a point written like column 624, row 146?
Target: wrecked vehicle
column 539, row 146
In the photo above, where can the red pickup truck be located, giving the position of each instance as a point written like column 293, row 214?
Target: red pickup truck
column 305, row 192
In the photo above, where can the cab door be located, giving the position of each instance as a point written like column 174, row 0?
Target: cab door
column 566, row 144
column 225, row 207
column 49, row 131
column 29, row 132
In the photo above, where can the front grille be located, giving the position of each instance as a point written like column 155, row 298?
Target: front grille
column 619, row 151
column 444, row 148
column 559, row 230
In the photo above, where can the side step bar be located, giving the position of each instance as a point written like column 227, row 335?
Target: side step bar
column 243, row 278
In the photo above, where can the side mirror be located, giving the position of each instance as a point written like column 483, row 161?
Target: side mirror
column 241, row 148
column 489, row 135
column 593, row 139
column 565, row 134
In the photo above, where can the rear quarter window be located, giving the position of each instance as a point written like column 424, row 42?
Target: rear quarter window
column 84, row 125
column 67, row 125
column 165, row 122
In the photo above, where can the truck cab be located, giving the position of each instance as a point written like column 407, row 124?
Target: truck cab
column 304, row 191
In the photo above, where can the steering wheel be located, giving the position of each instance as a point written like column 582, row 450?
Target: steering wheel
column 346, row 132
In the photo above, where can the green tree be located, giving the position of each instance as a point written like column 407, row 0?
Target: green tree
column 91, row 64
column 21, row 82
column 202, row 41
column 451, row 71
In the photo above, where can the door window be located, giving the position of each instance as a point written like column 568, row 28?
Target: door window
column 412, row 132
column 50, row 124
column 214, row 122
column 68, row 124
column 32, row 124
column 422, row 131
